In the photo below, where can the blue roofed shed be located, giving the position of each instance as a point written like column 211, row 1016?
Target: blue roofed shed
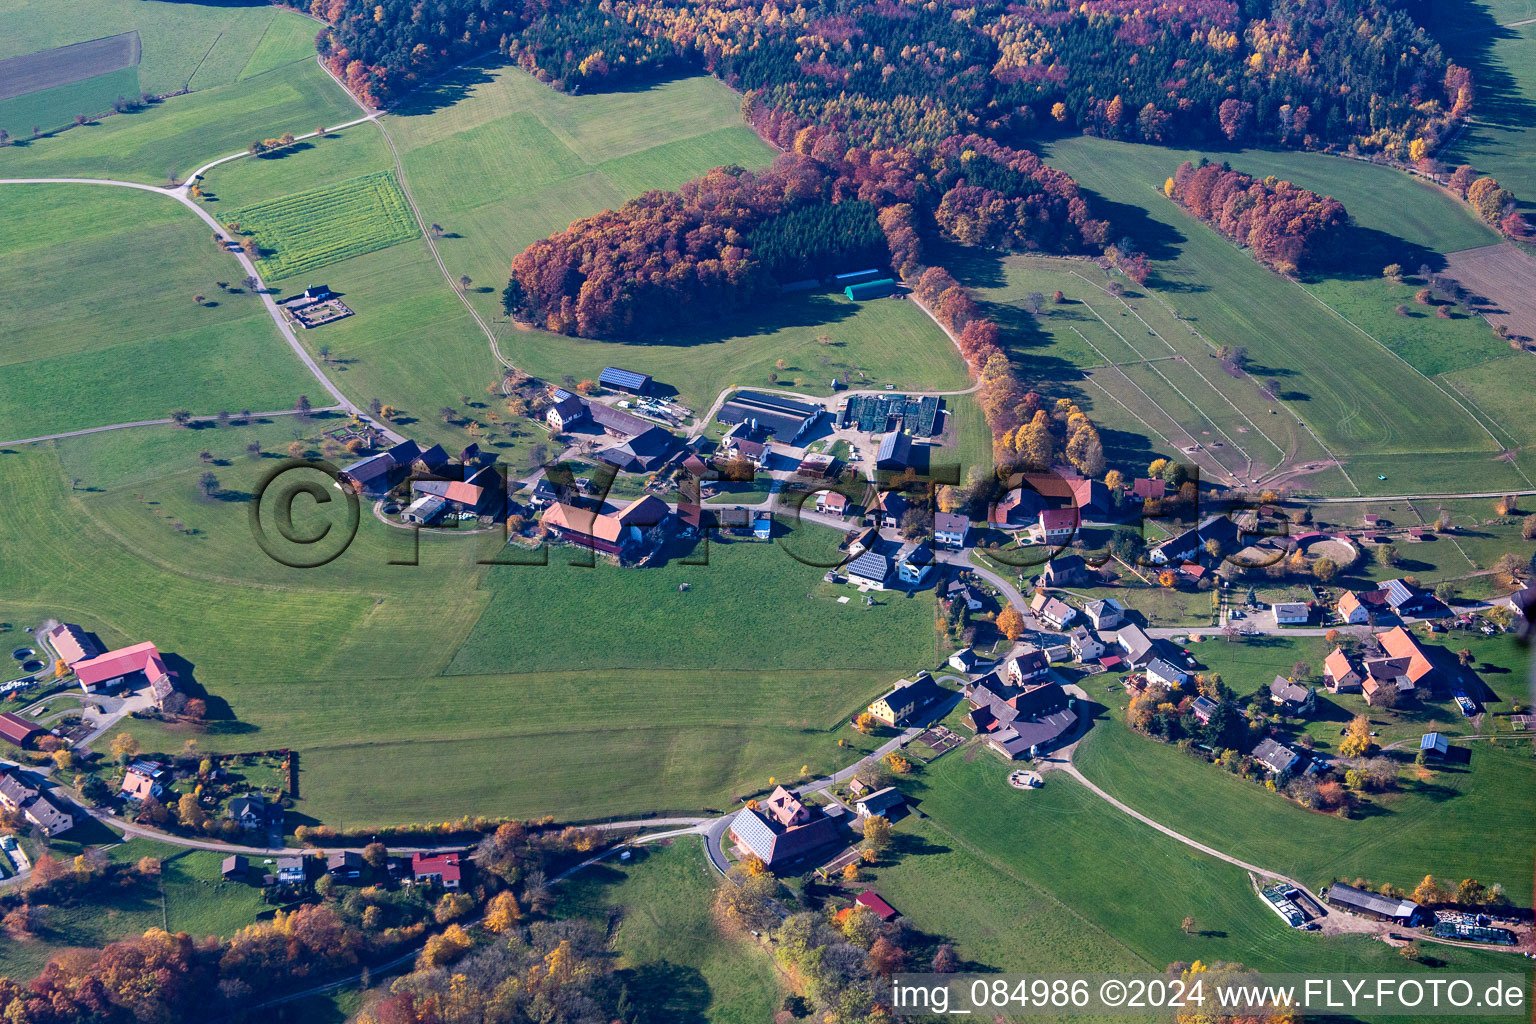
column 624, row 380
column 1434, row 744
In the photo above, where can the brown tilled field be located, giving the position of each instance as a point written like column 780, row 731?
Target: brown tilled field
column 1504, row 279
column 33, row 72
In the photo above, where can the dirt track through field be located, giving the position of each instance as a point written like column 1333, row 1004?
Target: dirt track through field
column 65, row 64
column 1503, row 279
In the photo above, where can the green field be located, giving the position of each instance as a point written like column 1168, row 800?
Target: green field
column 180, row 134
column 107, row 336
column 308, row 230
column 673, row 958
column 581, row 691
column 1381, row 391
column 1130, row 881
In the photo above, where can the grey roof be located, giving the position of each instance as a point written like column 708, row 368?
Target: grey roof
column 1292, row 693
column 895, row 447
column 922, row 554
column 1167, row 670
column 609, row 418
column 1064, row 565
column 882, row 799
column 1387, row 906
column 775, row 845
column 784, row 418
column 950, row 522
column 1205, row 706
column 1399, row 593
column 1136, row 644
column 433, row 458
column 1277, row 757
column 870, row 566
column 1099, row 606
column 568, row 408
column 914, row 693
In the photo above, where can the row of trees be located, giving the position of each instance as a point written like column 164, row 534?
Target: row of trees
column 1285, row 227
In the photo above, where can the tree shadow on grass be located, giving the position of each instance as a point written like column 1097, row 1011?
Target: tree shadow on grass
column 815, row 310
column 450, row 89
column 674, row 993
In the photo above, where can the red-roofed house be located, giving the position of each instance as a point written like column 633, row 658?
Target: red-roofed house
column 440, row 868
column 1148, row 489
column 1054, row 526
column 881, row 909
column 1398, row 643
column 607, row 532
column 1338, row 674
column 1351, row 609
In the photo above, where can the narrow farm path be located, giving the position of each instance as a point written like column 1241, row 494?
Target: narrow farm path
column 160, row 423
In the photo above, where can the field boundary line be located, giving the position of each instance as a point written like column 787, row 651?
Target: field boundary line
column 1176, row 389
column 187, row 85
column 1503, row 449
column 160, row 423
column 1155, row 404
column 1158, row 334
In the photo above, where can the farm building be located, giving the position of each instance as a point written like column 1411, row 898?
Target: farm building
column 124, row 665
column 424, row 511
column 16, row 730
column 1019, row 721
column 1375, row 906
column 644, row 452
column 875, row 905
column 615, row 379
column 1407, row 600
column 783, row 418
column 895, row 451
column 1191, row 544
column 879, row 802
column 234, row 866
column 608, row 532
column 782, row 829
column 906, row 699
column 1434, row 744
column 867, row 290
column 855, row 277
column 71, row 643
column 565, row 410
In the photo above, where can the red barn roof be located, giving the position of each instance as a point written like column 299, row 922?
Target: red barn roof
column 16, row 729
column 883, row 910
column 138, row 658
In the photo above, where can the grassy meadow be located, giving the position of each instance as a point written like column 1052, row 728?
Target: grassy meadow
column 1378, row 390
column 671, row 955
column 580, row 691
column 1129, row 880
column 105, row 336
column 1423, row 828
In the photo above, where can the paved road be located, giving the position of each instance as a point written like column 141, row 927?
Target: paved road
column 157, row 423
column 182, row 195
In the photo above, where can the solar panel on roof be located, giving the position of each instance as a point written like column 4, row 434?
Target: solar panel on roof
column 613, row 376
